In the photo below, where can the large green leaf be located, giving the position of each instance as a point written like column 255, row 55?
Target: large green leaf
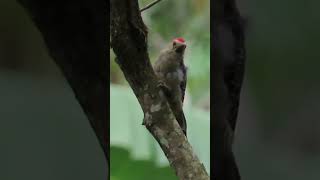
column 124, row 167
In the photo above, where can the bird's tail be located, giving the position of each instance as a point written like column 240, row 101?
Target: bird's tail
column 182, row 122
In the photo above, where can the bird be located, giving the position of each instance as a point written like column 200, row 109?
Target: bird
column 172, row 74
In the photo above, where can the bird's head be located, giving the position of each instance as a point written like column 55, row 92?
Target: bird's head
column 179, row 45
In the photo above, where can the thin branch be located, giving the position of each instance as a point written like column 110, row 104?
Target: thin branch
column 150, row 5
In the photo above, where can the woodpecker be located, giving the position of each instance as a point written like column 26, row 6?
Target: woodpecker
column 172, row 74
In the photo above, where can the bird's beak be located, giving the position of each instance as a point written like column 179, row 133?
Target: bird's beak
column 181, row 48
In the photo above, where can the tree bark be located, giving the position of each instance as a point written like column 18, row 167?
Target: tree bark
column 129, row 42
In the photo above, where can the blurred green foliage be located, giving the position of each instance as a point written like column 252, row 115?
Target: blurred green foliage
column 181, row 18
column 278, row 131
column 127, row 133
column 124, row 167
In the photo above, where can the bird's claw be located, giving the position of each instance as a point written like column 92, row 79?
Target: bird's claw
column 164, row 88
column 162, row 85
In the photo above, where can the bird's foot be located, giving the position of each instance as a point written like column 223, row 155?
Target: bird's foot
column 164, row 88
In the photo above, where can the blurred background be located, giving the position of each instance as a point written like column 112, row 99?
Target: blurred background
column 44, row 135
column 278, row 133
column 135, row 155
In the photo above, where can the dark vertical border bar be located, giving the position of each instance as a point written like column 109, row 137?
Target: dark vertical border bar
column 76, row 33
column 228, row 61
column 108, row 10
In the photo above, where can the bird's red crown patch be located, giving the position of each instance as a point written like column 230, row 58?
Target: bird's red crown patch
column 180, row 40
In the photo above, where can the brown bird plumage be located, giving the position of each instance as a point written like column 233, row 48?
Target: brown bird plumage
column 172, row 74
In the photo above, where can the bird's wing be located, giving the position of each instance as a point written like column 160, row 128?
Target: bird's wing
column 157, row 64
column 183, row 83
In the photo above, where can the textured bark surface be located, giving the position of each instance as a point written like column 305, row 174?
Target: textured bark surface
column 228, row 71
column 129, row 42
column 76, row 35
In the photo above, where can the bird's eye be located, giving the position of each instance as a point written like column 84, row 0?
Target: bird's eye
column 174, row 43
